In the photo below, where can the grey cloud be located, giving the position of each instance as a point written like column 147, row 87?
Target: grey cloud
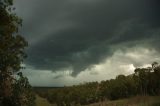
column 121, row 62
column 68, row 34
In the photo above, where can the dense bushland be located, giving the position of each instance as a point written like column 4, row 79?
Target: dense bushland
column 144, row 81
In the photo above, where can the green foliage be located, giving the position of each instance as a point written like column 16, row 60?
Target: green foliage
column 145, row 81
column 12, row 44
column 22, row 92
column 13, row 92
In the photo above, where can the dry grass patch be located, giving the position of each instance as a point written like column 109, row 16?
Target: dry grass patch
column 135, row 101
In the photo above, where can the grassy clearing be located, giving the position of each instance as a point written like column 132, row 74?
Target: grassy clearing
column 135, row 101
column 42, row 102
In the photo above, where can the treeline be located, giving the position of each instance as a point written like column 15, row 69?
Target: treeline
column 144, row 81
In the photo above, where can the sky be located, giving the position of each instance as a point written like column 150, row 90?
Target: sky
column 77, row 41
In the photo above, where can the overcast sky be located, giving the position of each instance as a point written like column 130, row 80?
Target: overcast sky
column 76, row 41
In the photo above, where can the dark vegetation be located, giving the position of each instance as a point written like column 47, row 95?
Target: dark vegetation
column 145, row 82
column 15, row 89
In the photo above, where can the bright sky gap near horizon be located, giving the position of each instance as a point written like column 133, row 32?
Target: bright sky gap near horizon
column 76, row 41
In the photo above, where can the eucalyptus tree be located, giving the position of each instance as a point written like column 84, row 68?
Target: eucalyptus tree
column 12, row 53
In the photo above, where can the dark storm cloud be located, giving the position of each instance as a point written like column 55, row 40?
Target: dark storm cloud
column 76, row 34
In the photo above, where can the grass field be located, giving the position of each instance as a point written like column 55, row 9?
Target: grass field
column 135, row 101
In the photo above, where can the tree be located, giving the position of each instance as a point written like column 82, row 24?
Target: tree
column 154, row 65
column 12, row 53
column 22, row 92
